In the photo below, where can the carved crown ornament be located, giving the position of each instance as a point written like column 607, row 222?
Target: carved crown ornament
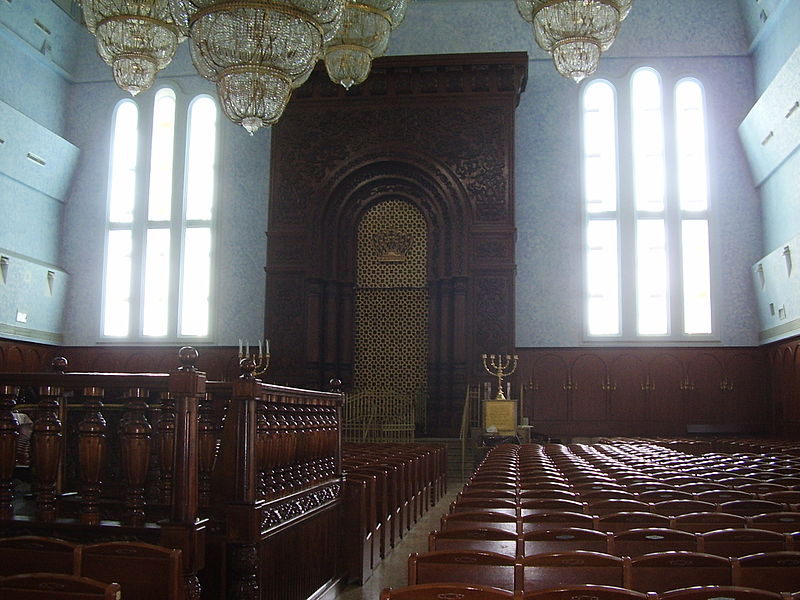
column 392, row 245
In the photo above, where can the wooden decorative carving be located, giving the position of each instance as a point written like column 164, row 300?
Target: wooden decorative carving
column 435, row 132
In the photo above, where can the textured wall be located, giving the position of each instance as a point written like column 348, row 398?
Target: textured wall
column 709, row 39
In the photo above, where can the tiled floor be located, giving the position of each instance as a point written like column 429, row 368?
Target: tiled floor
column 393, row 570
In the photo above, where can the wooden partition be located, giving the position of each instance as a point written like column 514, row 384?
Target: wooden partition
column 244, row 478
column 576, row 392
column 113, row 456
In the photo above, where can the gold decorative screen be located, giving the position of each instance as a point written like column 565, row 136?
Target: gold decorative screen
column 391, row 344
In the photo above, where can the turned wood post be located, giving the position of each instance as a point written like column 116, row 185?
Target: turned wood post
column 207, row 434
column 46, row 446
column 166, row 444
column 135, row 433
column 184, row 530
column 9, row 433
column 91, row 454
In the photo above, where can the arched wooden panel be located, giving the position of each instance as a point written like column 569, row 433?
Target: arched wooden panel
column 704, row 406
column 746, row 391
column 627, row 376
column 549, row 400
column 589, row 399
column 665, row 398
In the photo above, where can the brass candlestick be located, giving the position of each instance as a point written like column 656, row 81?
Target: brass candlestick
column 255, row 364
column 500, row 366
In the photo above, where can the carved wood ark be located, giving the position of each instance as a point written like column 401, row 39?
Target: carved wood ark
column 436, row 132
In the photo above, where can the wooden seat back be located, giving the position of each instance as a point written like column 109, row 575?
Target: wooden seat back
column 438, row 591
column 462, row 566
column 635, row 542
column 563, row 540
column 543, row 571
column 144, row 571
column 56, row 586
column 773, row 571
column 30, row 554
column 662, row 571
column 595, row 592
column 740, row 541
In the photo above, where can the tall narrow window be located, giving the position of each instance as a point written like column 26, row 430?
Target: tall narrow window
column 600, row 191
column 121, row 204
column 158, row 273
column 647, row 245
column 691, row 150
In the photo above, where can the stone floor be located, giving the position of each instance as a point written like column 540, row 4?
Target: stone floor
column 393, row 570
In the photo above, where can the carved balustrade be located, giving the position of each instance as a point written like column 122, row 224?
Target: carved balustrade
column 112, row 456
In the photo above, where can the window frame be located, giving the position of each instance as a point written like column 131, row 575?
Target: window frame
column 176, row 225
column 626, row 216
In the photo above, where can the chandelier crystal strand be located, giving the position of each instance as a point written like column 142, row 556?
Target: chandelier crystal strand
column 364, row 35
column 256, row 51
column 575, row 32
column 137, row 38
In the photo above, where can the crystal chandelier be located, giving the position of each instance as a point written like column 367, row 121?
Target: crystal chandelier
column 256, row 51
column 575, row 32
column 363, row 35
column 137, row 38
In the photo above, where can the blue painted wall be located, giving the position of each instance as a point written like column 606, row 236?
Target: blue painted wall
column 710, row 40
column 780, row 192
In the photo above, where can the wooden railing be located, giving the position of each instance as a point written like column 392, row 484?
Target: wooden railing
column 242, row 471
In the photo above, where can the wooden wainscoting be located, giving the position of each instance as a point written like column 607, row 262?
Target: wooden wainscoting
column 784, row 368
column 573, row 392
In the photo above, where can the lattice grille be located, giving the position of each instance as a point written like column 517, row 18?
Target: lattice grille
column 391, row 350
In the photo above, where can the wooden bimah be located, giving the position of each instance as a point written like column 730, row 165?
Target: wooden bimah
column 242, row 478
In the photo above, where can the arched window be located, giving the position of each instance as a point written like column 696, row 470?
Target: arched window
column 157, row 281
column 647, row 250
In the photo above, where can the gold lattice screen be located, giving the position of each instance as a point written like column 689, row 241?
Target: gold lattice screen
column 391, row 349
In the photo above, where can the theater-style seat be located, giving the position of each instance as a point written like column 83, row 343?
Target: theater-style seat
column 622, row 521
column 144, row 571
column 438, row 591
column 56, row 586
column 741, row 541
column 662, row 571
column 773, row 571
column 784, row 521
column 478, row 519
column 586, row 591
column 558, row 569
column 462, row 566
column 635, row 542
column 700, row 522
column 485, row 539
column 556, row 520
column 31, row 554
column 719, row 592
column 564, row 540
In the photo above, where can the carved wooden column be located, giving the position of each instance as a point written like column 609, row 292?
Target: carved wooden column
column 46, row 445
column 9, row 433
column 166, row 444
column 91, row 454
column 135, row 446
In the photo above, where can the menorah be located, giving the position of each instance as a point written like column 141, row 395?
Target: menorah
column 500, row 365
column 253, row 365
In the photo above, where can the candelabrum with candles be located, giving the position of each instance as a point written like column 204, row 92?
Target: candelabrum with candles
column 253, row 364
column 500, row 366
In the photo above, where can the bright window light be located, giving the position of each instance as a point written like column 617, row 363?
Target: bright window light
column 602, row 277
column 196, row 281
column 599, row 148
column 201, row 161
column 651, row 278
column 116, row 316
column 159, row 207
column 124, row 148
column 696, row 277
column 647, row 124
column 690, row 137
column 155, row 310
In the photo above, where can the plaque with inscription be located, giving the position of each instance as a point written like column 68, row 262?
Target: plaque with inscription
column 501, row 414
